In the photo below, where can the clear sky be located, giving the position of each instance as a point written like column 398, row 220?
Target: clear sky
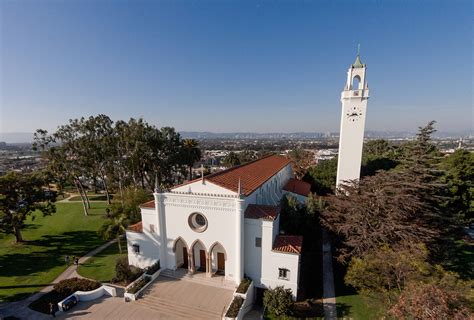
column 225, row 66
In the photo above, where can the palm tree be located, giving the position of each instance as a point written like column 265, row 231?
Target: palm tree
column 192, row 153
column 114, row 228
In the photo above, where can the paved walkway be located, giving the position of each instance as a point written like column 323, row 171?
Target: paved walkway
column 167, row 298
column 20, row 308
column 329, row 294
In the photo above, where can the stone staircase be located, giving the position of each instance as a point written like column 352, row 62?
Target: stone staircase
column 201, row 278
column 172, row 310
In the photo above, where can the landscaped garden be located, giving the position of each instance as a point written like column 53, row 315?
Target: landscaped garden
column 27, row 267
column 101, row 267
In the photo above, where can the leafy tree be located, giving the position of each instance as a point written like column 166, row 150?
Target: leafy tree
column 231, row 160
column 278, row 301
column 431, row 301
column 20, row 196
column 292, row 214
column 323, row 176
column 383, row 209
column 383, row 272
column 459, row 177
column 246, row 156
column 129, row 203
column 191, row 154
column 301, row 161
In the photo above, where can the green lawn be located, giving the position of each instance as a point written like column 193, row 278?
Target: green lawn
column 96, row 197
column 28, row 267
column 101, row 267
column 355, row 307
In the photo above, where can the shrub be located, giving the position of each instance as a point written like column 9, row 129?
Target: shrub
column 60, row 291
column 234, row 308
column 244, row 286
column 278, row 301
column 69, row 286
column 153, row 268
column 139, row 284
column 124, row 272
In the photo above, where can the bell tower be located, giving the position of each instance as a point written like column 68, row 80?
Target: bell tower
column 354, row 99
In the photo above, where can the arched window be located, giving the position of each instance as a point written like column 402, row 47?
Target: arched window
column 355, row 82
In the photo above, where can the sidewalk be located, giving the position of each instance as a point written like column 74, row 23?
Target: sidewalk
column 329, row 294
column 20, row 308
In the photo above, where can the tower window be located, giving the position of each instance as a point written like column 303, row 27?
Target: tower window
column 355, row 82
column 283, row 274
column 136, row 248
column 258, row 242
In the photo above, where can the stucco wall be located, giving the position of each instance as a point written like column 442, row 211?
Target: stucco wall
column 149, row 249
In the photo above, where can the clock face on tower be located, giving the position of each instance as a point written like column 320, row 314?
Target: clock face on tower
column 354, row 114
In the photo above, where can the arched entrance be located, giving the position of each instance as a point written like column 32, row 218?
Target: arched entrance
column 181, row 253
column 199, row 257
column 218, row 258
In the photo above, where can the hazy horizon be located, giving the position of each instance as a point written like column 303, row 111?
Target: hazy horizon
column 249, row 66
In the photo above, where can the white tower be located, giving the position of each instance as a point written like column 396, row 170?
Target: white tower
column 351, row 136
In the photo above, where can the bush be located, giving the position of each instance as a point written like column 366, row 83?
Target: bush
column 124, row 272
column 62, row 290
column 153, row 268
column 69, row 286
column 244, row 286
column 139, row 284
column 234, row 308
column 278, row 301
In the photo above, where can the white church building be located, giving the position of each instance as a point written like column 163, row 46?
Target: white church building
column 226, row 224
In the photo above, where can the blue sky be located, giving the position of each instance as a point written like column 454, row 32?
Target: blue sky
column 222, row 66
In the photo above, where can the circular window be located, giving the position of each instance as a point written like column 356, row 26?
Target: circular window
column 197, row 222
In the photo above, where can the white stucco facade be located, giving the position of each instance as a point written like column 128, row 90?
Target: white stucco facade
column 354, row 100
column 203, row 227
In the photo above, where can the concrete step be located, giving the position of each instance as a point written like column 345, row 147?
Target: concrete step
column 176, row 310
column 215, row 282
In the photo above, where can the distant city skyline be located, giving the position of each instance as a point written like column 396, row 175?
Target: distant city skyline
column 251, row 66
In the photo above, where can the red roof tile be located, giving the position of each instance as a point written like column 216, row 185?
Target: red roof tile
column 298, row 187
column 137, row 227
column 252, row 175
column 149, row 204
column 256, row 211
column 288, row 244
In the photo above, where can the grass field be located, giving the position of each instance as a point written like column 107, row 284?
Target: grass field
column 97, row 197
column 101, row 267
column 28, row 267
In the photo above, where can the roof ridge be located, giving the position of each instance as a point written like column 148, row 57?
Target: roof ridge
column 240, row 166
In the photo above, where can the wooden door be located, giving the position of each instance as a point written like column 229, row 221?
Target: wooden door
column 202, row 260
column 185, row 258
column 220, row 262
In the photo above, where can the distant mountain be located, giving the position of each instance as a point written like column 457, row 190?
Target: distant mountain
column 16, row 137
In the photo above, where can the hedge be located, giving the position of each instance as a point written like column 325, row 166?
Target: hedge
column 153, row 268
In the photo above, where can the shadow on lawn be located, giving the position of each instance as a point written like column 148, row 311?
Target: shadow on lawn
column 57, row 247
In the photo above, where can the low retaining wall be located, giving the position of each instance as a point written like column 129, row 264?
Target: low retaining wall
column 90, row 295
column 134, row 296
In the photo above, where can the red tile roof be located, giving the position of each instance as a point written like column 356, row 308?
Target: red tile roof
column 137, row 227
column 298, row 187
column 252, row 174
column 256, row 211
column 288, row 244
column 149, row 204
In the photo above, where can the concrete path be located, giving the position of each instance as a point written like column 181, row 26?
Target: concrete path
column 167, row 298
column 20, row 308
column 329, row 294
